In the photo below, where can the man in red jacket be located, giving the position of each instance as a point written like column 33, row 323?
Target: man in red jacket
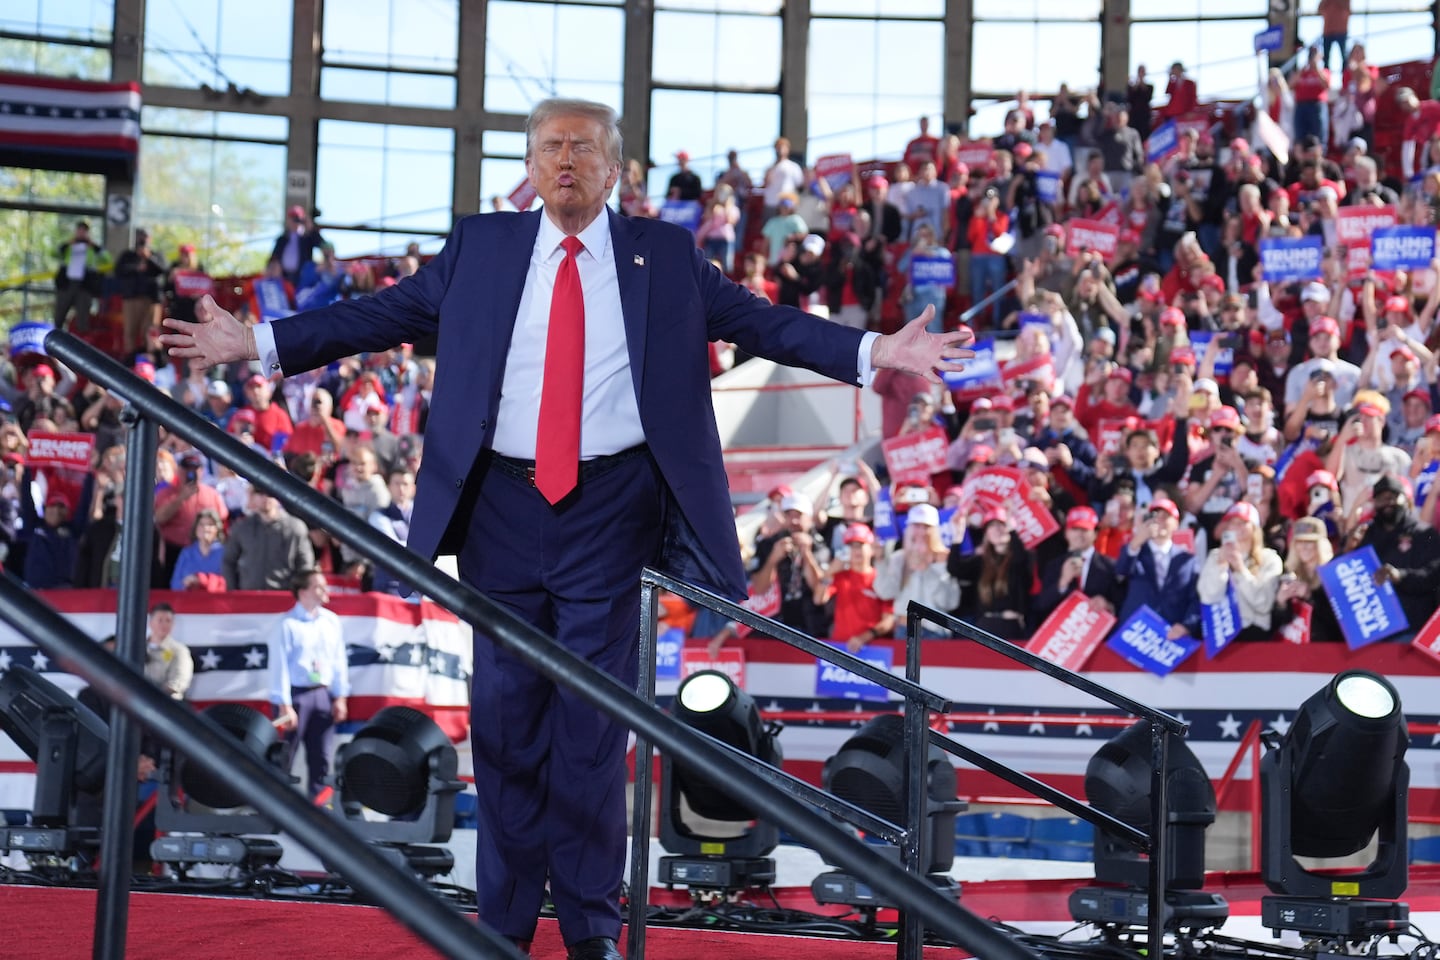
column 1182, row 94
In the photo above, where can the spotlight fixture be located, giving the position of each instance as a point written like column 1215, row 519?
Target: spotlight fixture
column 869, row 771
column 703, row 857
column 67, row 741
column 1117, row 782
column 403, row 766
column 202, row 815
column 1334, row 781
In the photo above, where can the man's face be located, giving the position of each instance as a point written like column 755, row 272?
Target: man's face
column 797, row 521
column 1078, row 538
column 1310, row 177
column 1402, row 366
column 1162, row 525
column 316, row 591
column 571, row 168
column 1416, row 412
column 1322, row 344
column 1061, row 418
column 161, row 623
column 56, row 514
column 258, row 394
column 1140, row 451
column 321, row 406
column 853, row 495
column 1364, row 177
column 402, row 487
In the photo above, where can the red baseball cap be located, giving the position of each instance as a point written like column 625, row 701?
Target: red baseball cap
column 1225, row 417
column 1369, row 410
column 1321, row 478
column 55, row 498
column 1433, row 424
column 1023, row 150
column 980, row 453
column 1063, row 401
column 1214, row 281
column 256, row 380
column 1404, row 352
column 1242, row 511
column 994, row 515
column 42, row 370
column 1419, row 394
column 1002, row 401
column 1397, row 305
column 781, row 492
column 1173, row 315
column 298, row 212
column 1324, row 325
column 1183, row 355
column 1082, row 518
column 1122, row 373
column 1164, row 506
column 859, row 533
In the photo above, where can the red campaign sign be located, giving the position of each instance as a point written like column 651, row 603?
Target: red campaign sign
column 835, row 168
column 728, row 660
column 1039, row 369
column 1184, row 538
column 1093, row 235
column 523, row 195
column 1112, row 436
column 1357, row 262
column 976, row 153
column 1353, row 225
column 63, row 451
column 1032, row 521
column 192, row 284
column 1297, row 631
column 991, row 487
column 1427, row 641
column 1110, row 213
column 913, row 457
column 766, row 604
column 1072, row 632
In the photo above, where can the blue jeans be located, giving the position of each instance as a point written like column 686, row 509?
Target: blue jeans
column 1333, row 40
column 1313, row 117
column 930, row 295
column 987, row 274
column 718, row 248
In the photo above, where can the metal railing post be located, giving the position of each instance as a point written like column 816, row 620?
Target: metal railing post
column 1159, row 813
column 117, row 834
column 916, row 752
column 644, row 765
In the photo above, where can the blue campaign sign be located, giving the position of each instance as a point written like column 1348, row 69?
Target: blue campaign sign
column 932, row 271
column 1425, row 480
column 668, row 647
column 885, row 527
column 1142, row 640
column 1224, row 359
column 979, row 371
column 1367, row 613
column 1397, row 247
column 1220, row 622
column 273, row 301
column 1163, row 141
column 1291, row 258
column 1047, row 186
column 1028, row 319
column 684, row 213
column 947, row 530
column 28, row 337
column 1270, row 40
column 836, row 681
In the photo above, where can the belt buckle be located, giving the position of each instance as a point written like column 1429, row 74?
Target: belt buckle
column 530, row 475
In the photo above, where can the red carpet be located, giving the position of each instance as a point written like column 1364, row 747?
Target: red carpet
column 58, row 924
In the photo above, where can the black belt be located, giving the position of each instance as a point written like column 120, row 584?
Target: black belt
column 318, row 686
column 589, row 469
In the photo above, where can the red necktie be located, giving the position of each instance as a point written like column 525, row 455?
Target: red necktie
column 557, row 442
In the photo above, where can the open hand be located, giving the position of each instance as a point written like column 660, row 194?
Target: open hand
column 916, row 350
column 215, row 337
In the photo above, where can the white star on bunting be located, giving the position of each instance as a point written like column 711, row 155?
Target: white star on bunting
column 209, row 660
column 254, row 657
column 39, row 662
column 1229, row 728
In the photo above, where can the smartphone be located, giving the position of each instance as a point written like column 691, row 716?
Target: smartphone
column 984, row 423
column 1228, row 536
column 1381, row 322
column 1254, row 487
column 191, row 477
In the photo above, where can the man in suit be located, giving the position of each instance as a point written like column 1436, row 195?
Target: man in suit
column 572, row 452
column 1160, row 575
column 296, row 246
column 1083, row 568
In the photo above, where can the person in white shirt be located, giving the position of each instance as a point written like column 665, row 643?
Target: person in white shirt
column 917, row 571
column 1244, row 563
column 310, row 676
column 1324, row 355
column 783, row 176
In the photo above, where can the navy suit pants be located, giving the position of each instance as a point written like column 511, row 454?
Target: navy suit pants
column 550, row 768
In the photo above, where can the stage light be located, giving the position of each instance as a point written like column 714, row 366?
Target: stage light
column 703, row 858
column 202, row 815
column 68, row 742
column 403, row 766
column 869, row 771
column 1334, row 781
column 1117, row 782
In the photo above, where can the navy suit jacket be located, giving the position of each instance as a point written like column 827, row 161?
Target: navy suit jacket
column 674, row 303
column 1177, row 600
column 1100, row 581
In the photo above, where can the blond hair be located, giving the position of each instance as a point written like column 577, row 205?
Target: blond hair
column 547, row 110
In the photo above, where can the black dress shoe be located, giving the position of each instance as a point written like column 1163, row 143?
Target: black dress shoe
column 595, row 948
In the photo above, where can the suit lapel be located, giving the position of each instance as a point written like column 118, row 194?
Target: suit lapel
column 632, row 271
column 510, row 259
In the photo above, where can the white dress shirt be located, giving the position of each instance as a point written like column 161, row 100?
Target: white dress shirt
column 610, row 418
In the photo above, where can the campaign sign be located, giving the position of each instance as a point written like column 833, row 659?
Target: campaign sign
column 682, row 213
column 1354, row 226
column 1427, row 641
column 192, row 284
column 668, row 647
column 1039, row 369
column 1092, row 235
column 1220, row 622
column 1367, row 613
column 1425, row 480
column 28, row 338
column 765, row 604
column 980, row 370
column 991, row 486
column 1270, row 39
column 913, row 457
column 61, row 451
column 932, row 271
column 523, row 195
column 727, row 660
column 1112, row 435
column 1163, row 141
column 833, row 680
column 273, row 301
column 1291, row 258
column 835, row 169
column 884, row 516
column 1224, row 357
column 1393, row 248
column 976, row 153
column 1028, row 319
column 1047, row 186
column 1297, row 631
column 1144, row 641
column 1071, row 633
column 1032, row 521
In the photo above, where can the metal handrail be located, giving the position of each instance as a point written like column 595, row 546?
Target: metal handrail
column 1162, row 725
column 536, row 650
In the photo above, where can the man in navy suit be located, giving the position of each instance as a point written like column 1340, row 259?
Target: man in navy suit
column 1083, row 568
column 1160, row 575
column 649, row 486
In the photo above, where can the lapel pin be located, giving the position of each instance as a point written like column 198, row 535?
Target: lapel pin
column 639, row 260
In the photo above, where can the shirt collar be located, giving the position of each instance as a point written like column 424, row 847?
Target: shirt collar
column 595, row 237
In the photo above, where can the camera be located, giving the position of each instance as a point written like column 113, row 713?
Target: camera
column 1381, row 322
column 192, row 476
column 984, row 423
column 1231, row 341
column 1317, row 374
column 1179, row 368
column 1227, row 441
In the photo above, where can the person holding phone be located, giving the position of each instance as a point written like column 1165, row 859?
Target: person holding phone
column 1242, row 561
column 1158, row 574
column 177, row 506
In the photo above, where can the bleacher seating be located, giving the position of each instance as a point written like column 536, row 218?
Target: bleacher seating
column 991, row 834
